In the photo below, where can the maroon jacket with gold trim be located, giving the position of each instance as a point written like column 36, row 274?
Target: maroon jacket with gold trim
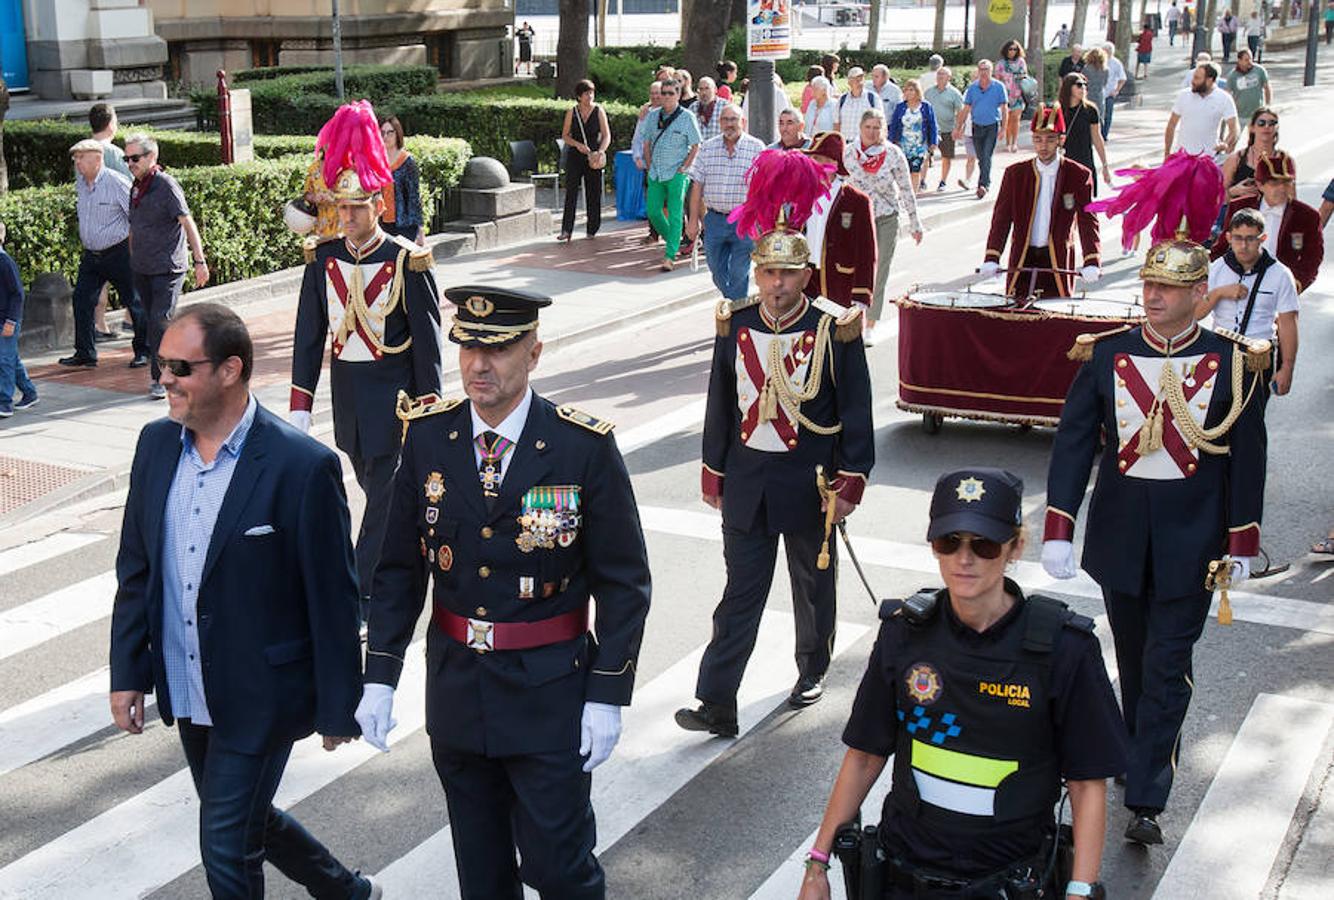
column 846, row 270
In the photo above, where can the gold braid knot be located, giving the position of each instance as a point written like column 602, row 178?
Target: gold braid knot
column 1197, row 435
column 778, row 389
column 358, row 311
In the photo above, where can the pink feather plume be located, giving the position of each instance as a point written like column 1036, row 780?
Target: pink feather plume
column 1184, row 185
column 351, row 139
column 780, row 179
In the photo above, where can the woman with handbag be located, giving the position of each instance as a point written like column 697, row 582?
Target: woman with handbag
column 587, row 136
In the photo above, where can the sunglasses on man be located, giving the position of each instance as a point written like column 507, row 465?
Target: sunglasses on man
column 181, row 368
column 135, row 157
column 983, row 548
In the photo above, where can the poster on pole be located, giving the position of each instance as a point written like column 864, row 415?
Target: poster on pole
column 768, row 29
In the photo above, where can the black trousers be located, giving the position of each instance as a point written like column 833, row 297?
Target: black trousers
column 577, row 172
column 375, row 476
column 538, row 804
column 1155, row 639
column 240, row 828
column 158, row 294
column 96, row 268
column 750, row 557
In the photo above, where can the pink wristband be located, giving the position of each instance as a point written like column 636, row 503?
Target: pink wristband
column 819, row 856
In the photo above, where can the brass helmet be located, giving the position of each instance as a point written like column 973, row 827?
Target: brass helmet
column 348, row 187
column 781, row 247
column 1178, row 261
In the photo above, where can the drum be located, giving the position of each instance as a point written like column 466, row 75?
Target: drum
column 960, row 299
column 1099, row 308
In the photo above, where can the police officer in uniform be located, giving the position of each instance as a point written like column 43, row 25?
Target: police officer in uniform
column 376, row 295
column 520, row 511
column 789, row 391
column 987, row 700
column 1181, row 484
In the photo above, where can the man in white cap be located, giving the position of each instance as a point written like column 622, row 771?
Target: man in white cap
column 856, row 101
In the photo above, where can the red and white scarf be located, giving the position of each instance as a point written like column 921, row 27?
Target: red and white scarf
column 870, row 158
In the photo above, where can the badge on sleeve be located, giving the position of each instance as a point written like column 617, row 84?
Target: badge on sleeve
column 1298, row 240
column 923, row 683
column 1068, row 201
column 435, row 487
column 846, row 220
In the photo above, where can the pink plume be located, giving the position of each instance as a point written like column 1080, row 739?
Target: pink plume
column 351, row 139
column 780, row 179
column 1184, row 185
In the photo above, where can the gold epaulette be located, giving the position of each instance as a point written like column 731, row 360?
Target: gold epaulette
column 409, row 408
column 308, row 250
column 848, row 327
column 420, row 259
column 584, row 420
column 1257, row 349
column 1082, row 349
column 722, row 315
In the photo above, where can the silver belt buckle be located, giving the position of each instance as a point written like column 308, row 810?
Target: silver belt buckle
column 480, row 636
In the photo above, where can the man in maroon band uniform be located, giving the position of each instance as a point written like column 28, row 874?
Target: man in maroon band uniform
column 841, row 232
column 1037, row 209
column 1295, row 238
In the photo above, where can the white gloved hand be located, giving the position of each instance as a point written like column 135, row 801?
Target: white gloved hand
column 300, row 420
column 1090, row 274
column 1058, row 558
column 1241, row 569
column 989, row 269
column 375, row 714
column 599, row 731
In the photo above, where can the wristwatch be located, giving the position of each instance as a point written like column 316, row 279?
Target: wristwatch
column 1094, row 890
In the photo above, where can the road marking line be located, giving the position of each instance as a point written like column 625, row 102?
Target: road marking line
column 683, row 418
column 56, row 613
column 40, row 551
column 1240, row 825
column 153, row 837
column 58, row 718
column 1258, row 609
column 654, row 759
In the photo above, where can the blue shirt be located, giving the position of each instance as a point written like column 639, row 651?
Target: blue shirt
column 671, row 145
column 196, row 496
column 987, row 105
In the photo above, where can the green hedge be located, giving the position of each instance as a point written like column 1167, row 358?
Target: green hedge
column 271, row 97
column 37, row 152
column 238, row 208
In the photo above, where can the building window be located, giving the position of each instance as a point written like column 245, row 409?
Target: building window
column 442, row 52
column 264, row 53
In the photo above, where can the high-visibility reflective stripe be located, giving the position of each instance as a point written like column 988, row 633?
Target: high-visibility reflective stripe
column 962, row 798
column 962, row 767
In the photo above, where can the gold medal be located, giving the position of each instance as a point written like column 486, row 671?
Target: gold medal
column 435, row 487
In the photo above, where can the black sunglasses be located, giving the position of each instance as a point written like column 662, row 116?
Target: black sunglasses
column 134, row 157
column 1082, row 84
column 1263, row 122
column 181, row 368
column 983, row 548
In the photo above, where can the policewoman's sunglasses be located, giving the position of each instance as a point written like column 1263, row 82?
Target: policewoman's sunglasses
column 983, row 548
column 181, row 368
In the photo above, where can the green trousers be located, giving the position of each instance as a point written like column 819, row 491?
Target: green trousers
column 671, row 194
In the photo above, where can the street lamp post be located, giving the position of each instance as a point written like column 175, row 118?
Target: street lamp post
column 338, row 52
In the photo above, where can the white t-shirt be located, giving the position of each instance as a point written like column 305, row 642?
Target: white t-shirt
column 1201, row 114
column 1278, row 294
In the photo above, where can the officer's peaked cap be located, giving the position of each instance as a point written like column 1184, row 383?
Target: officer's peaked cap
column 491, row 316
column 984, row 502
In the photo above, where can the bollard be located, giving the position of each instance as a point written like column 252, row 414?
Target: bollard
column 225, row 117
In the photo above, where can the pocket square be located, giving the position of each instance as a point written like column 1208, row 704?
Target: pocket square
column 259, row 530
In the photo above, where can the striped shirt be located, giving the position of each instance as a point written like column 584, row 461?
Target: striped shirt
column 193, row 504
column 104, row 209
column 722, row 175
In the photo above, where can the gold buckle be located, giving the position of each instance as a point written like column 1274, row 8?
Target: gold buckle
column 481, row 639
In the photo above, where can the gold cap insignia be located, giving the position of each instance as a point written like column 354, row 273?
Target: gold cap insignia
column 479, row 306
column 970, row 489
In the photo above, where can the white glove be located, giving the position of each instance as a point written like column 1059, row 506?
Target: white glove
column 989, row 269
column 1058, row 558
column 1090, row 274
column 300, row 420
column 1241, row 569
column 375, row 713
column 599, row 731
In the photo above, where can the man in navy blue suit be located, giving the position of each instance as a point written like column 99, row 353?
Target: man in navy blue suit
column 234, row 603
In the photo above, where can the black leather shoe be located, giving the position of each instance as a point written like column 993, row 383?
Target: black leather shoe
column 808, row 690
column 1143, row 829
column 710, row 717
column 76, row 360
column 139, row 362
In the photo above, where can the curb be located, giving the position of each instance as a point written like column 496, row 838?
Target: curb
column 94, row 484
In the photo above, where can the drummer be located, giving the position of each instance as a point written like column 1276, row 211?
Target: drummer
column 1037, row 208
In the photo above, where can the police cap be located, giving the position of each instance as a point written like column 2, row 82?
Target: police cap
column 984, row 502
column 490, row 316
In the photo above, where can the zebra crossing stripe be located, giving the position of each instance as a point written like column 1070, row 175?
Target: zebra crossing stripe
column 56, row 613
column 49, row 547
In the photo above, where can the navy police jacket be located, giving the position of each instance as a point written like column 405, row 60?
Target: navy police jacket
column 755, row 456
column 1166, row 510
column 386, row 338
column 511, row 702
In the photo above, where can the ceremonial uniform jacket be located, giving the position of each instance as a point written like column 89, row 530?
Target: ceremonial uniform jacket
column 750, row 462
column 1301, row 243
column 510, row 702
column 845, row 270
column 386, row 343
column 1016, row 208
column 1162, row 514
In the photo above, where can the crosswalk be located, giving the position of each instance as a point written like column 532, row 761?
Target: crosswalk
column 145, row 844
